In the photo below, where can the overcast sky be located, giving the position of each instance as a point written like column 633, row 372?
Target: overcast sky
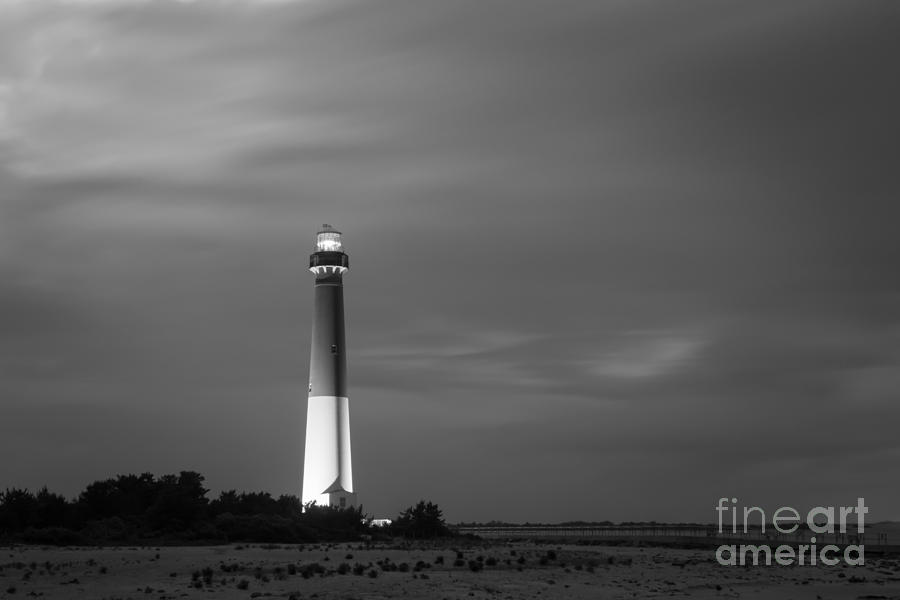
column 609, row 259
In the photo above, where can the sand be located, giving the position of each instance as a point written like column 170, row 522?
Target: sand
column 276, row 571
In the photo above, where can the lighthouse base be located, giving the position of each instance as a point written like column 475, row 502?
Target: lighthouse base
column 338, row 499
column 342, row 499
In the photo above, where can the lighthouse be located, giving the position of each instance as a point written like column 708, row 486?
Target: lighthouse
column 327, row 471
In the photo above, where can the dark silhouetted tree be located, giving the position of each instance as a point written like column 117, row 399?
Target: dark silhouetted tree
column 179, row 501
column 18, row 510
column 52, row 510
column 424, row 520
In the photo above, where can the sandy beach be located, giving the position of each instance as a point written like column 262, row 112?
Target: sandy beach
column 501, row 570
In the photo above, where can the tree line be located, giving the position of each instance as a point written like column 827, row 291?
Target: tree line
column 168, row 509
column 175, row 509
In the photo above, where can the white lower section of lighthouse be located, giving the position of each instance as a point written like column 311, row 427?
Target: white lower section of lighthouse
column 327, row 470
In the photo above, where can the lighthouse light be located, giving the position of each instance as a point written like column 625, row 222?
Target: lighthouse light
column 329, row 240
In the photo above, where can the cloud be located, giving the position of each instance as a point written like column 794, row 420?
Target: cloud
column 647, row 357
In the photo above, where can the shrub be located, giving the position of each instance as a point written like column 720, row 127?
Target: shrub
column 312, row 569
column 425, row 520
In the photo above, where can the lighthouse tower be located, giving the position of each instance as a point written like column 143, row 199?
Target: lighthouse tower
column 327, row 472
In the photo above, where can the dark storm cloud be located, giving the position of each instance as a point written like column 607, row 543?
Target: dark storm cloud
column 608, row 260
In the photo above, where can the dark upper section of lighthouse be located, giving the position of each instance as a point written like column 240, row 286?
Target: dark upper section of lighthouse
column 329, row 250
column 328, row 360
